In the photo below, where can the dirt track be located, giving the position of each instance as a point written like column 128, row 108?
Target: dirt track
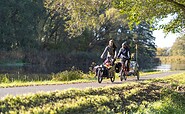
column 34, row 89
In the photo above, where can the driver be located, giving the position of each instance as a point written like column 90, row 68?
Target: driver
column 124, row 55
column 110, row 51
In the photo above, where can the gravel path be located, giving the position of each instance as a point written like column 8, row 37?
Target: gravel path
column 34, row 89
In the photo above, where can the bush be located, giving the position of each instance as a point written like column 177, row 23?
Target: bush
column 68, row 75
column 4, row 78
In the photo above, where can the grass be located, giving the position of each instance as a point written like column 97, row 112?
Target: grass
column 149, row 73
column 155, row 96
column 39, row 83
column 66, row 77
column 8, row 80
column 173, row 101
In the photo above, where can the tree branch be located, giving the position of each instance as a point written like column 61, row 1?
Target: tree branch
column 182, row 6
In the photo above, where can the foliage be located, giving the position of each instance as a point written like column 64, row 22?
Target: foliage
column 146, row 46
column 68, row 75
column 61, row 76
column 19, row 23
column 178, row 48
column 93, row 14
column 69, row 27
column 11, row 78
column 163, row 51
column 4, row 79
column 172, row 59
column 176, row 53
column 152, row 11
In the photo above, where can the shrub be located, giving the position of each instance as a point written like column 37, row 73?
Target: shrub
column 4, row 78
column 68, row 75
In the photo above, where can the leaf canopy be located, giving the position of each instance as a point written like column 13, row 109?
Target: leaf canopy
column 152, row 11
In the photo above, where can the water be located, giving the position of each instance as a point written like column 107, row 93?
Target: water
column 30, row 69
column 168, row 67
column 38, row 69
column 163, row 67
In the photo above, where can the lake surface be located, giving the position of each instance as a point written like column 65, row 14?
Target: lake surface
column 167, row 67
column 38, row 69
column 31, row 69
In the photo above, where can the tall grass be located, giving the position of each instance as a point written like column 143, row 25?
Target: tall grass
column 61, row 76
column 68, row 75
column 9, row 78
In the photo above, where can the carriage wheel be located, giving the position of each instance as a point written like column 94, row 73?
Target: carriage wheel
column 137, row 74
column 112, row 77
column 123, row 76
column 100, row 78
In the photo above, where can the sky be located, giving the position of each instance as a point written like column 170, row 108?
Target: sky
column 161, row 41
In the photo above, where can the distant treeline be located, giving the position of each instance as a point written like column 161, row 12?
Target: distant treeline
column 175, row 54
column 177, row 50
column 172, row 59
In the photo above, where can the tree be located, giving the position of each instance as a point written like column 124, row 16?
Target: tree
column 19, row 23
column 163, row 51
column 152, row 11
column 77, row 28
column 86, row 14
column 52, row 26
column 146, row 46
column 95, row 22
column 178, row 48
